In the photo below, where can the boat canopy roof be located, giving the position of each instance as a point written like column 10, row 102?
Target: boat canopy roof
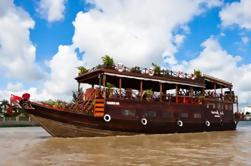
column 169, row 79
column 211, row 82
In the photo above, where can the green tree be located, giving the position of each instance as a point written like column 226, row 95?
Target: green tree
column 76, row 94
column 4, row 105
column 107, row 61
column 156, row 68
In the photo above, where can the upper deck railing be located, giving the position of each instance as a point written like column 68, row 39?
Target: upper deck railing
column 148, row 71
column 131, row 95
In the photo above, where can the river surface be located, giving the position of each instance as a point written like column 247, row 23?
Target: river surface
column 33, row 146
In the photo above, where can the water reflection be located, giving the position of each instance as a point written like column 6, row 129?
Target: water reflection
column 209, row 148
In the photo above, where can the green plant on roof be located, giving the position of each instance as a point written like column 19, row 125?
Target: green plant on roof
column 156, row 68
column 107, row 61
column 82, row 70
column 197, row 73
column 135, row 69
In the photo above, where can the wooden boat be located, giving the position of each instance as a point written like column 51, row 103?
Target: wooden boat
column 140, row 101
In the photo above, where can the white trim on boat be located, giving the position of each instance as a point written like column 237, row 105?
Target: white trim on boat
column 112, row 103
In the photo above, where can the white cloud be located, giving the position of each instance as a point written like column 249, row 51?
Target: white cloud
column 52, row 10
column 213, row 59
column 61, row 82
column 216, row 61
column 237, row 13
column 123, row 31
column 245, row 40
column 36, row 94
column 179, row 39
column 17, row 59
column 17, row 53
column 18, row 89
column 63, row 67
column 15, row 87
column 4, row 94
column 134, row 32
column 214, row 3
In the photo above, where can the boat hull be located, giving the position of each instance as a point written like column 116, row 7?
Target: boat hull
column 70, row 124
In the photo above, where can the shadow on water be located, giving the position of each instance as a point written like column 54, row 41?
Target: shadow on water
column 207, row 148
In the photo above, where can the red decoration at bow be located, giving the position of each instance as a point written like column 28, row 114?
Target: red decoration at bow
column 13, row 99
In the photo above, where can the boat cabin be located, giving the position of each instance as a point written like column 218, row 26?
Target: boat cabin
column 143, row 85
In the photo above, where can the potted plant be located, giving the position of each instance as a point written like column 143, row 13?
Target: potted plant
column 149, row 94
column 109, row 90
column 82, row 70
column 107, row 61
column 197, row 73
column 201, row 99
column 135, row 69
column 156, row 69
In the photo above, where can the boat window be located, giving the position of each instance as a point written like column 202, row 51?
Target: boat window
column 150, row 114
column 197, row 116
column 167, row 115
column 184, row 115
column 129, row 112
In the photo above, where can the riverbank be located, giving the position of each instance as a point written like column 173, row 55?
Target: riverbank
column 18, row 121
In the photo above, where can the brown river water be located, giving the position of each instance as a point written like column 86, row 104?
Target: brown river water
column 33, row 146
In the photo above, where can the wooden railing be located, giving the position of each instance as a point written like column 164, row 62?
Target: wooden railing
column 93, row 103
column 88, row 102
column 157, row 98
column 188, row 100
column 171, row 98
column 226, row 97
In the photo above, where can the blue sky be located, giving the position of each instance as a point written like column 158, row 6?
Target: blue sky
column 48, row 36
column 182, row 37
column 207, row 25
